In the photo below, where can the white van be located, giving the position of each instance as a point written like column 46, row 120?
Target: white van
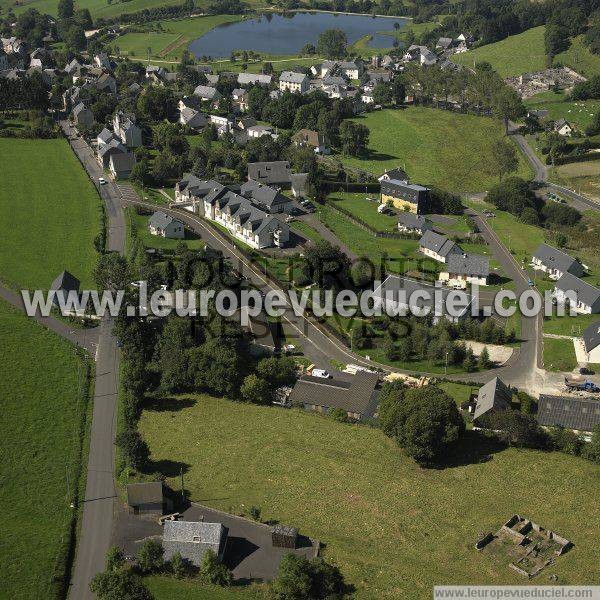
column 320, row 373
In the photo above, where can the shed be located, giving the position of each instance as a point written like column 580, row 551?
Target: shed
column 284, row 536
column 147, row 498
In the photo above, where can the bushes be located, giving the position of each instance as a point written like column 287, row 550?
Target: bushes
column 423, row 421
column 560, row 214
column 513, row 195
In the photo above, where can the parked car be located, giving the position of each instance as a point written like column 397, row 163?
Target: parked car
column 586, row 371
column 101, row 181
column 321, row 373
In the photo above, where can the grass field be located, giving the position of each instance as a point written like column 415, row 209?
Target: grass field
column 168, row 39
column 104, row 9
column 364, row 209
column 140, row 228
column 559, row 355
column 398, row 251
column 51, row 211
column 394, row 529
column 517, row 54
column 579, row 58
column 42, row 380
column 167, row 588
column 578, row 113
column 435, row 147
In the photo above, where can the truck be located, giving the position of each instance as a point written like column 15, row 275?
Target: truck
column 584, row 385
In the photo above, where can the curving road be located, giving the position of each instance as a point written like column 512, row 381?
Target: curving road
column 522, row 370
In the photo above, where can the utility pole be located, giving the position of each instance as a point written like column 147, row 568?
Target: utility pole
column 182, row 492
column 446, row 366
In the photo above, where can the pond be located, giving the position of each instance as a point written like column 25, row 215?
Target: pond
column 287, row 34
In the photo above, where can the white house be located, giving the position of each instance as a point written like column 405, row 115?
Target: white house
column 127, row 130
column 573, row 290
column 591, row 342
column 257, row 131
column 562, row 127
column 555, row 262
column 294, row 82
column 351, row 69
column 437, row 246
column 166, row 226
column 465, row 268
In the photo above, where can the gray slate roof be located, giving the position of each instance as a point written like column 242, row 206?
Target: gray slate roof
column 205, row 91
column 193, row 539
column 413, row 221
column 591, row 336
column 352, row 393
column 400, row 289
column 468, row 264
column 277, row 171
column 553, row 258
column 570, row 412
column 263, row 194
column 249, row 78
column 122, row 161
column 586, row 293
column 493, row 395
column 160, row 220
column 437, row 243
column 293, row 77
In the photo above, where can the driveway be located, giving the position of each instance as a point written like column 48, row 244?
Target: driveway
column 249, row 552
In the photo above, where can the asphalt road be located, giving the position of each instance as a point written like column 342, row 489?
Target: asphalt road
column 100, row 493
column 84, row 338
column 96, row 525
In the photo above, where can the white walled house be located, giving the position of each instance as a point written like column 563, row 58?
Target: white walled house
column 587, row 296
column 165, row 226
column 294, row 82
column 438, row 247
column 246, row 217
column 555, row 262
column 465, row 268
column 591, row 342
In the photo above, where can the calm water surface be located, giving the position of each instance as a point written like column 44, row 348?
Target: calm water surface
column 279, row 34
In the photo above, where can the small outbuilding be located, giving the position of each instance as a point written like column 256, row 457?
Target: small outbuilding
column 284, row 536
column 62, row 285
column 147, row 498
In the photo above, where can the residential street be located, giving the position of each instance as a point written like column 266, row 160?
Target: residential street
column 522, row 369
column 94, row 538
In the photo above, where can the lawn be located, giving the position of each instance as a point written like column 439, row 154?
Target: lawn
column 394, row 529
column 43, row 386
column 579, row 58
column 104, row 9
column 578, row 113
column 168, row 39
column 401, row 253
column 514, row 55
column 139, row 224
column 366, row 210
column 52, row 214
column 167, row 588
column 435, row 147
column 559, row 354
